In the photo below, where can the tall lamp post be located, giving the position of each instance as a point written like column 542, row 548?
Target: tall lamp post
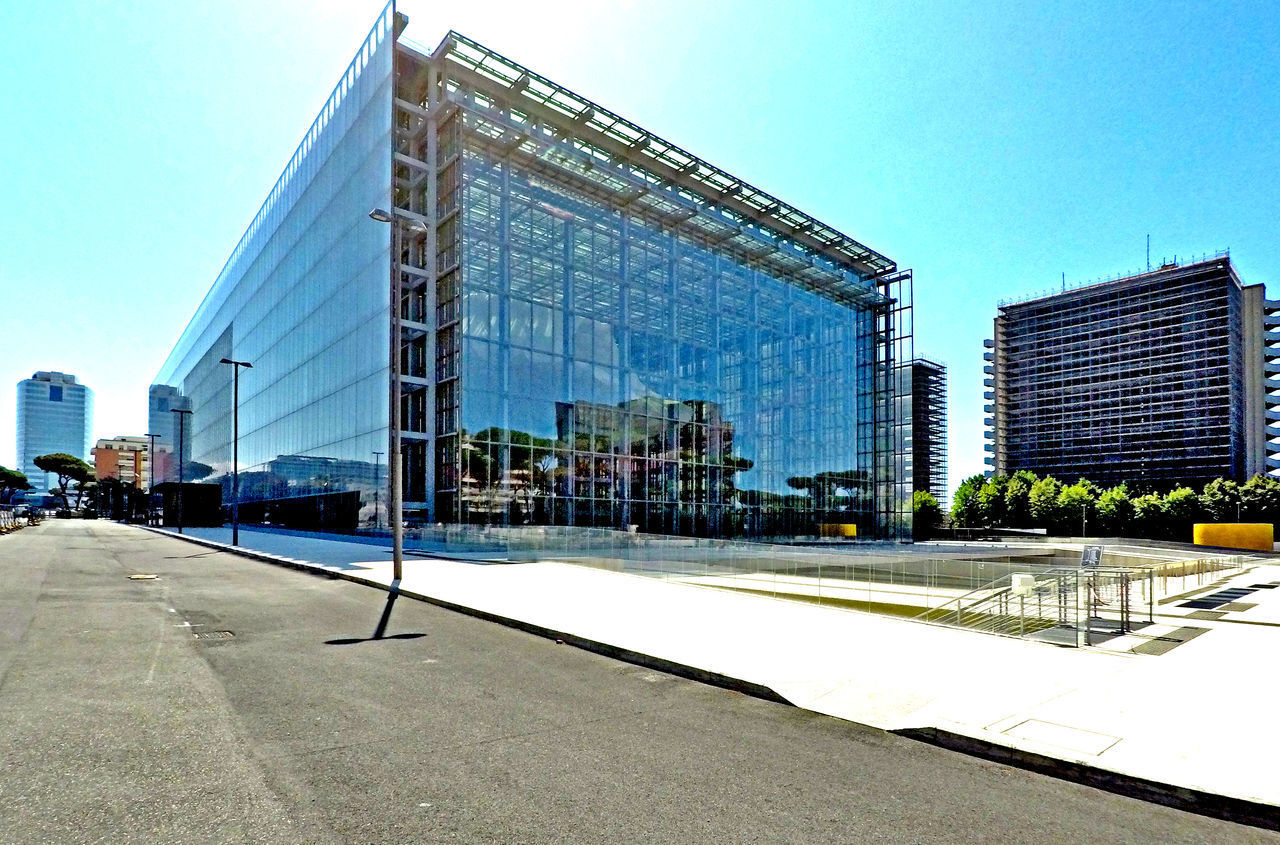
column 182, row 443
column 377, row 480
column 235, row 446
column 394, row 464
column 151, row 472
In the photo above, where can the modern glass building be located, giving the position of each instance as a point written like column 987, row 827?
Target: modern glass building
column 595, row 327
column 55, row 414
column 1159, row 379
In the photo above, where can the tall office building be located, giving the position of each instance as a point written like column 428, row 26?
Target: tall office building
column 55, row 414
column 1156, row 379
column 585, row 313
column 926, row 384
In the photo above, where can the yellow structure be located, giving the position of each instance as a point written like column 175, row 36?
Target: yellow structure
column 1259, row 536
column 839, row 529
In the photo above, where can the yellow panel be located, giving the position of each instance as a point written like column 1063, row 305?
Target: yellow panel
column 839, row 529
column 1259, row 536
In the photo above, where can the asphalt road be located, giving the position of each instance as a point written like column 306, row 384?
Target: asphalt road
column 233, row 701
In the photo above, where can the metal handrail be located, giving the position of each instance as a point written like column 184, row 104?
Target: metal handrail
column 933, row 611
column 995, row 612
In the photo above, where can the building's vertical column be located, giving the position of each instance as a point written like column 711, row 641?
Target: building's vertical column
column 623, row 332
column 503, row 464
column 1271, row 384
column 765, row 465
column 1253, row 398
column 431, row 294
column 569, row 351
column 718, row 475
column 786, row 445
column 716, row 369
column 627, row 464
column 904, row 340
column 995, row 401
column 678, row 392
column 892, row 336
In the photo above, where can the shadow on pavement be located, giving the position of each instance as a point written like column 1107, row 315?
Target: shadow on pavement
column 379, row 633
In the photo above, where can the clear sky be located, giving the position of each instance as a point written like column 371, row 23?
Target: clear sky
column 990, row 146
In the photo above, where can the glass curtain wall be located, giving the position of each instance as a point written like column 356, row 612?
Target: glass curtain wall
column 613, row 374
column 54, row 414
column 304, row 299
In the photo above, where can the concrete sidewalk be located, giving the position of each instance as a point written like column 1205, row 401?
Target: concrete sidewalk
column 1180, row 727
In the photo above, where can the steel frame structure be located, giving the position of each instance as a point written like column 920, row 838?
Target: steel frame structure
column 462, row 93
column 928, row 385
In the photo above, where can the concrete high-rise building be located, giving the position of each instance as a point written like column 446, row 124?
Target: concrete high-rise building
column 549, row 257
column 927, row 382
column 1156, row 379
column 124, row 458
column 55, row 414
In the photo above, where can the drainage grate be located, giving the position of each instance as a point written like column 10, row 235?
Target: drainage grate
column 1170, row 641
column 213, row 635
column 1215, row 600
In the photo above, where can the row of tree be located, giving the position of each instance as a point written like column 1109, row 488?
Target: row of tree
column 1025, row 500
column 69, row 470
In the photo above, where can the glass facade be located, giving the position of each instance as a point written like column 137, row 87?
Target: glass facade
column 615, row 349
column 582, row 340
column 304, row 299
column 55, row 414
column 613, row 374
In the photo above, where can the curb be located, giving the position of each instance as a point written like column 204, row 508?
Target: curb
column 1239, row 810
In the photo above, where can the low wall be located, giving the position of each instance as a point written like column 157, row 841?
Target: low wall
column 1257, row 536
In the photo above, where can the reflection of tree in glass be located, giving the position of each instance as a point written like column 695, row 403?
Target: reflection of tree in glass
column 503, row 472
column 832, row 491
column 194, row 471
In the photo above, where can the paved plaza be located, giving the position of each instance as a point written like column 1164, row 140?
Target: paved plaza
column 219, row 699
column 1198, row 714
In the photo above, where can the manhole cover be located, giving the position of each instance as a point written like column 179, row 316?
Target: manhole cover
column 213, row 635
column 143, row 577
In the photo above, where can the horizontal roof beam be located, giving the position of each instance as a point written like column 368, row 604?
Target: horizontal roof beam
column 677, row 176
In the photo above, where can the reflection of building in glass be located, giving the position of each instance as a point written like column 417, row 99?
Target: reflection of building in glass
column 54, row 415
column 162, row 401
column 307, row 491
column 644, row 462
column 569, row 280
column 1157, row 379
column 925, row 382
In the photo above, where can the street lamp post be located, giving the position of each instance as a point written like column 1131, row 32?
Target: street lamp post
column 377, row 480
column 151, row 472
column 182, row 442
column 394, row 463
column 235, row 446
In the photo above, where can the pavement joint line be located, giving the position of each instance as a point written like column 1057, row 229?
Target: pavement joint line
column 1189, row 799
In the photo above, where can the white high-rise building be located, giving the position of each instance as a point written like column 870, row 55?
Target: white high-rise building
column 55, row 414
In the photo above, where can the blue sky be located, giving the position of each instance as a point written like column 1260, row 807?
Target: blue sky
column 990, row 146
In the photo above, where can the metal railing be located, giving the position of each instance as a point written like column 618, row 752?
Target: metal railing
column 971, row 587
column 1068, row 606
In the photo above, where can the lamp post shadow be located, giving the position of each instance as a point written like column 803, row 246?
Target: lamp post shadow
column 380, row 632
